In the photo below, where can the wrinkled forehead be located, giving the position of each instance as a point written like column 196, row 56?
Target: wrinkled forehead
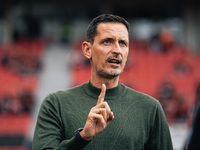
column 112, row 29
column 111, row 24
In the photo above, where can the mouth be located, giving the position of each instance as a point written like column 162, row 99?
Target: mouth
column 114, row 60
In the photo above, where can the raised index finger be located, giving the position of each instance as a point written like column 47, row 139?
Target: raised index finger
column 102, row 94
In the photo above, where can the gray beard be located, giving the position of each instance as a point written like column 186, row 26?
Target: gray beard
column 107, row 74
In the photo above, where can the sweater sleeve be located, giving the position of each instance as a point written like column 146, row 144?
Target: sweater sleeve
column 160, row 137
column 48, row 131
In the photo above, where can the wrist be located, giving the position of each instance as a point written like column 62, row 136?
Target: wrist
column 79, row 138
column 84, row 136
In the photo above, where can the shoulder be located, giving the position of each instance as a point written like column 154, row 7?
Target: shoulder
column 146, row 103
column 63, row 95
column 140, row 97
column 70, row 91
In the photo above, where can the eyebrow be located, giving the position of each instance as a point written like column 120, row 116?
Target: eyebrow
column 107, row 38
column 112, row 39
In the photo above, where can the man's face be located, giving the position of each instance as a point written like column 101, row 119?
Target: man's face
column 110, row 49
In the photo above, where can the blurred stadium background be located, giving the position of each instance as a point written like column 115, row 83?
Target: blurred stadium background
column 40, row 52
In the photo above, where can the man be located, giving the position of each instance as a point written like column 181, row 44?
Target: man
column 195, row 134
column 113, row 116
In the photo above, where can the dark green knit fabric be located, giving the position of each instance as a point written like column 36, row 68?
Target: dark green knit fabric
column 139, row 122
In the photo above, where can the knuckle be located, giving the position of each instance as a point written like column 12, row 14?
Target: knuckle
column 90, row 115
column 92, row 109
column 103, row 109
column 105, row 103
column 101, row 117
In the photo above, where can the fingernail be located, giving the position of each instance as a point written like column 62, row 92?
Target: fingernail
column 104, row 125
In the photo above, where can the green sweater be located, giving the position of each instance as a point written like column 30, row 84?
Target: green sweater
column 139, row 122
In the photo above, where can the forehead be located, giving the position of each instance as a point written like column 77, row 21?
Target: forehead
column 112, row 29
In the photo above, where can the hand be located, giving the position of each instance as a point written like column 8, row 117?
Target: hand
column 99, row 117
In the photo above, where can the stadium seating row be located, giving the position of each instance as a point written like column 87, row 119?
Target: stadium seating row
column 19, row 68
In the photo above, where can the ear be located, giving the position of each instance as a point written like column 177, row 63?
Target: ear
column 86, row 47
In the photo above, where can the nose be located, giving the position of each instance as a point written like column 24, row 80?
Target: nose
column 116, row 48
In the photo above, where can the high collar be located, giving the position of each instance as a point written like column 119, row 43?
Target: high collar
column 115, row 92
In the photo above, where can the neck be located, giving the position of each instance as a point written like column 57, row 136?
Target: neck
column 110, row 83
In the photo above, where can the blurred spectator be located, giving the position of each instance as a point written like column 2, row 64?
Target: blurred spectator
column 9, row 105
column 26, row 100
column 182, row 109
column 5, row 61
column 167, row 97
column 163, row 40
column 166, row 91
column 166, row 39
column 6, row 104
column 174, row 105
column 20, row 61
column 182, row 67
column 23, row 104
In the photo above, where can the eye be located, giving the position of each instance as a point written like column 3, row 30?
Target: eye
column 106, row 42
column 122, row 43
